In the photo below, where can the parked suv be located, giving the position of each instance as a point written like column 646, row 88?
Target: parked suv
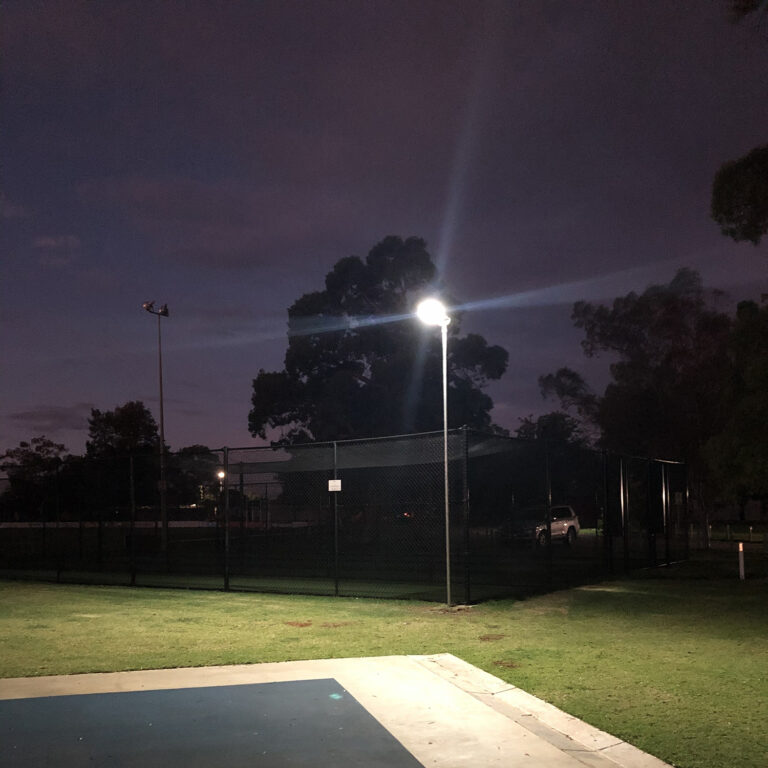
column 530, row 525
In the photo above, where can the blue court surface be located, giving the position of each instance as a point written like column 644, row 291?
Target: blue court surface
column 300, row 723
column 399, row 711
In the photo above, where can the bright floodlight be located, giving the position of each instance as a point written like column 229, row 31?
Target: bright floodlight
column 432, row 312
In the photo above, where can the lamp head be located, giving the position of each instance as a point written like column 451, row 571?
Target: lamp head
column 150, row 307
column 432, row 312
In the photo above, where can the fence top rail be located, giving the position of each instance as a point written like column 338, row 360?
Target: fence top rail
column 331, row 443
column 479, row 443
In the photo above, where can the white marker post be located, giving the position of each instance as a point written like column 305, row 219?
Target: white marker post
column 741, row 560
column 334, row 487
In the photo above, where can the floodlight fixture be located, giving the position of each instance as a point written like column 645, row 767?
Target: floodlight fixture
column 150, row 307
column 432, row 312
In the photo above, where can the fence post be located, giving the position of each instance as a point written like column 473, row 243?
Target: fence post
column 335, row 497
column 685, row 510
column 100, row 537
column 607, row 524
column 466, row 510
column 242, row 505
column 649, row 516
column 548, row 492
column 667, row 516
column 132, row 527
column 58, row 525
column 44, row 538
column 624, row 487
column 226, row 519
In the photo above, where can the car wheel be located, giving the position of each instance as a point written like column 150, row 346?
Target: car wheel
column 570, row 537
column 541, row 539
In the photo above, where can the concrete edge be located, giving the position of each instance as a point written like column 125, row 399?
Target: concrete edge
column 587, row 744
column 519, row 705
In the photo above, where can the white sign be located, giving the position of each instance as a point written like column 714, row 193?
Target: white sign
column 334, row 485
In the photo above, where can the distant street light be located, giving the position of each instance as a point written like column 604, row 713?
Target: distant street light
column 162, row 312
column 433, row 312
column 221, row 474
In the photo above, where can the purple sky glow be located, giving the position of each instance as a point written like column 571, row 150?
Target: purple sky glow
column 221, row 156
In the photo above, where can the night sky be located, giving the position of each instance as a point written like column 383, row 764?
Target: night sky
column 222, row 156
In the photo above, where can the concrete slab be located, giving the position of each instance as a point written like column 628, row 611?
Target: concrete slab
column 445, row 712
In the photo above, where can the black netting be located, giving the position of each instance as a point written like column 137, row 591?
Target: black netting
column 523, row 517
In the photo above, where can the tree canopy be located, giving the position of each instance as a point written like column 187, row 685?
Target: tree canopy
column 32, row 468
column 742, row 9
column 687, row 382
column 740, row 188
column 38, row 456
column 738, row 455
column 128, row 429
column 740, row 196
column 358, row 363
column 554, row 428
column 671, row 375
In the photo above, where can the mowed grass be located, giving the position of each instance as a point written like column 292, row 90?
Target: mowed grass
column 674, row 661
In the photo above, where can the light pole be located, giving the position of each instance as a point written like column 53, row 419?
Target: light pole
column 162, row 312
column 433, row 312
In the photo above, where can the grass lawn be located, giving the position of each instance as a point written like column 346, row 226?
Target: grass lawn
column 674, row 661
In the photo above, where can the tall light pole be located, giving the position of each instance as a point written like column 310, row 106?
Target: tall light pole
column 162, row 312
column 433, row 312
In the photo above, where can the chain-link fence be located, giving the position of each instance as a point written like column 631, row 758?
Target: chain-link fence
column 524, row 516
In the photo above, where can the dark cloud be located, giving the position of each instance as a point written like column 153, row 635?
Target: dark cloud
column 51, row 419
column 56, row 242
column 10, row 211
column 56, row 250
column 224, row 224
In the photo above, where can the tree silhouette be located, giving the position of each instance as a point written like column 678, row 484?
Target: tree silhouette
column 740, row 196
column 359, row 364
column 740, row 188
